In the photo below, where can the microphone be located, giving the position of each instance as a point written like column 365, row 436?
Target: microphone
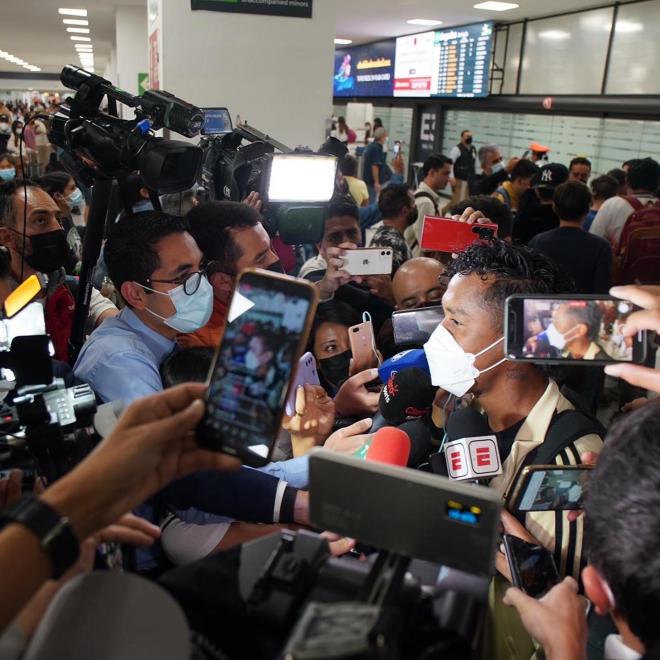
column 391, row 446
column 471, row 453
column 406, row 395
column 415, row 357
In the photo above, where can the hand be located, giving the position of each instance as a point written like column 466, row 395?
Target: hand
column 301, row 508
column 635, row 404
column 335, row 276
column 471, row 217
column 254, row 201
column 349, row 439
column 152, row 444
column 647, row 297
column 398, row 164
column 511, row 164
column 377, row 187
column 130, row 530
column 511, row 526
column 558, row 620
column 10, row 489
column 313, row 420
column 339, row 545
column 452, row 181
column 354, row 399
column 381, row 287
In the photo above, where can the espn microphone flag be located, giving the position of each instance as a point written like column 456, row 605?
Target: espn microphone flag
column 473, row 458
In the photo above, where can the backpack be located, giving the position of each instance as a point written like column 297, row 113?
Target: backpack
column 464, row 165
column 506, row 198
column 638, row 256
column 426, row 195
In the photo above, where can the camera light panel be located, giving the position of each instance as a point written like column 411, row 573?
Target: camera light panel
column 302, row 178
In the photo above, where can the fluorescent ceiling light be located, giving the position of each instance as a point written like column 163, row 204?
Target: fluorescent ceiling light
column 78, row 30
column 72, row 12
column 628, row 27
column 83, row 46
column 75, row 21
column 426, row 22
column 75, row 38
column 491, row 5
column 555, row 35
column 343, row 42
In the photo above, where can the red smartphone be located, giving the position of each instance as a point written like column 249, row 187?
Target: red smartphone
column 447, row 235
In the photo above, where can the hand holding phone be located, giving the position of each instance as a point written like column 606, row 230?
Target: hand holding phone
column 532, row 567
column 363, row 345
column 368, row 261
column 448, row 235
column 305, row 374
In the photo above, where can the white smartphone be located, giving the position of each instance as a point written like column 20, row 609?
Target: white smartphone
column 368, row 261
column 306, row 374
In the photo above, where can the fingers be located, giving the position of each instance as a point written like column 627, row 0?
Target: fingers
column 177, row 426
column 645, row 377
column 121, row 534
column 648, row 319
column 570, row 584
column 139, row 524
column 14, row 484
column 364, row 377
column 300, row 400
column 589, row 458
column 163, row 404
column 514, row 597
column 357, row 428
column 348, row 246
column 470, row 216
column 341, row 546
column 647, row 297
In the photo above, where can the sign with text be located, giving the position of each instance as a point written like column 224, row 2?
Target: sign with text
column 364, row 70
column 291, row 8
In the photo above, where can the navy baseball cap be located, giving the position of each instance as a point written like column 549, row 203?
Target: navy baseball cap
column 550, row 176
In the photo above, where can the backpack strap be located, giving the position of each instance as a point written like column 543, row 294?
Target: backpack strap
column 634, row 202
column 505, row 193
column 419, row 195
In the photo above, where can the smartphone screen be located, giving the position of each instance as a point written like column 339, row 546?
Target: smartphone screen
column 397, row 148
column 578, row 329
column 267, row 328
column 532, row 567
column 415, row 326
column 554, row 490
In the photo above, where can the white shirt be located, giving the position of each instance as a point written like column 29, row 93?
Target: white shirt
column 424, row 207
column 612, row 216
column 615, row 649
column 454, row 154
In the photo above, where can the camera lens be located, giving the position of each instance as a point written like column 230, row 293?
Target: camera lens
column 623, row 308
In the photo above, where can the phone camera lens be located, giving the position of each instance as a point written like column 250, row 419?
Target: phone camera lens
column 623, row 308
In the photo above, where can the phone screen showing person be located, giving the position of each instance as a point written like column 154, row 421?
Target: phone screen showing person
column 415, row 326
column 579, row 329
column 553, row 490
column 267, row 328
column 532, row 567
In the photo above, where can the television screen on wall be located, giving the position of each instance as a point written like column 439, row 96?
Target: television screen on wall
column 364, row 70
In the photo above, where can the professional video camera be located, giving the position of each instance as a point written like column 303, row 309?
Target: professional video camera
column 424, row 596
column 47, row 427
column 294, row 184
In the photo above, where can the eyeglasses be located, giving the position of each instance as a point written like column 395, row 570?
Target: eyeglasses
column 190, row 282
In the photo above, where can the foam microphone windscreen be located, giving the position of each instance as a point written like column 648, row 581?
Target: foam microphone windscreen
column 406, row 395
column 466, row 423
column 390, row 445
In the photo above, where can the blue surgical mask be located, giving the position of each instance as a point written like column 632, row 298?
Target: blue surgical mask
column 192, row 312
column 8, row 174
column 75, row 199
column 497, row 167
column 144, row 205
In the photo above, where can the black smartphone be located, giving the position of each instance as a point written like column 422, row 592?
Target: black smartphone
column 415, row 326
column 550, row 488
column 268, row 325
column 578, row 329
column 532, row 567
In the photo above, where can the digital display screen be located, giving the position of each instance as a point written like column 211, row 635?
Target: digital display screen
column 364, row 70
column 302, row 178
column 462, row 512
column 413, row 65
column 255, row 363
column 555, row 490
column 217, row 121
column 576, row 329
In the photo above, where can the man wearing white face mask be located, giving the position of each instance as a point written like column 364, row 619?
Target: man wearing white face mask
column 157, row 267
column 520, row 404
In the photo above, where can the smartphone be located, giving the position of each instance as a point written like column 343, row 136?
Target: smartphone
column 396, row 149
column 415, row 326
column 570, row 329
column 368, row 261
column 24, row 294
column 268, row 325
column 362, row 341
column 532, row 567
column 447, row 235
column 305, row 374
column 550, row 488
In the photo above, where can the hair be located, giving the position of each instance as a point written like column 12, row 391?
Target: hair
column 524, row 169
column 8, row 192
column 512, row 269
column 435, row 162
column 483, row 152
column 131, row 190
column 579, row 160
column 55, row 182
column 341, row 205
column 380, row 132
column 7, row 156
column 493, row 209
column 348, row 165
column 334, row 311
column 572, row 200
column 622, row 526
column 618, row 174
column 378, row 123
column 212, row 224
column 342, row 122
column 14, row 126
column 604, row 187
column 464, row 132
column 644, row 174
column 588, row 313
column 130, row 251
column 393, row 198
column 188, row 365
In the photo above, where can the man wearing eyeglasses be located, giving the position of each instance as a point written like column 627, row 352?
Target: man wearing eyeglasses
column 158, row 269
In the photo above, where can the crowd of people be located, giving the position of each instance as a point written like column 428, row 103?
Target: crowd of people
column 171, row 274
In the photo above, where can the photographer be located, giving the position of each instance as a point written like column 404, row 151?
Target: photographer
column 30, row 229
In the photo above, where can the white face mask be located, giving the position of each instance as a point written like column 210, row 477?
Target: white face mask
column 497, row 167
column 452, row 369
column 556, row 338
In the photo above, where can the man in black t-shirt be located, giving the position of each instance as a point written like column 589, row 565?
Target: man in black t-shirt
column 585, row 257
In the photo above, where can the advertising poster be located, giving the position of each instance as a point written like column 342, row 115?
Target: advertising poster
column 364, row 70
column 413, row 66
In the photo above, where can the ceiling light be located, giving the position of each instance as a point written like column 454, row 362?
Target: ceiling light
column 628, row 27
column 82, row 46
column 555, row 35
column 343, row 42
column 72, row 12
column 75, row 21
column 78, row 30
column 426, row 22
column 75, row 38
column 496, row 6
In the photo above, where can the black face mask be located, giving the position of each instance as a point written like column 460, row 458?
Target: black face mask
column 468, row 140
column 276, row 267
column 335, row 369
column 49, row 251
column 412, row 216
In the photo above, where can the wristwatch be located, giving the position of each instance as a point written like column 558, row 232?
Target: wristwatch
column 53, row 531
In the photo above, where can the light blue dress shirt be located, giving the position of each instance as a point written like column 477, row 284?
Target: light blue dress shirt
column 121, row 358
